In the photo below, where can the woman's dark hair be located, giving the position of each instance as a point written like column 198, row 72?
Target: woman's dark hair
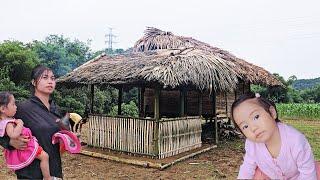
column 5, row 98
column 263, row 102
column 36, row 75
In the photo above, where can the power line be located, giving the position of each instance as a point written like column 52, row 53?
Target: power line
column 110, row 39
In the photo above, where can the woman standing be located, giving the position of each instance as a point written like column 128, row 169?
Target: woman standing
column 39, row 113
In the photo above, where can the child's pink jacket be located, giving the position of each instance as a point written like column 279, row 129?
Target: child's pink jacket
column 295, row 160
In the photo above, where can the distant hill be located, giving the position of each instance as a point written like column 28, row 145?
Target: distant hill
column 301, row 84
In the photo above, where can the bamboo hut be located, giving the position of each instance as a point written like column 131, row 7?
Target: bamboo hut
column 180, row 80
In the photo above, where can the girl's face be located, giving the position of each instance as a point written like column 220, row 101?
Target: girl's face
column 46, row 83
column 255, row 123
column 11, row 109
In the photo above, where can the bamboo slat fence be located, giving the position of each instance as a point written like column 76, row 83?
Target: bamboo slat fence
column 178, row 135
column 139, row 136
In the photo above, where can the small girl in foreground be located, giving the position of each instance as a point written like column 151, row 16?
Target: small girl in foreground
column 18, row 159
column 274, row 150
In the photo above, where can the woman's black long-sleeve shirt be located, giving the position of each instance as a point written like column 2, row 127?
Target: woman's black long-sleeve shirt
column 41, row 121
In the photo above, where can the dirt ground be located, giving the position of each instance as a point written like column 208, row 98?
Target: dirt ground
column 220, row 163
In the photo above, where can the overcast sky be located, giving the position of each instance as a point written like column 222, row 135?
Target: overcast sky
column 283, row 36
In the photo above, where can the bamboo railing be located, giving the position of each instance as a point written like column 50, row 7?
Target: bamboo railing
column 137, row 135
column 178, row 135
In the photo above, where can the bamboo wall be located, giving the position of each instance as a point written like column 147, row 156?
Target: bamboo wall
column 221, row 102
column 176, row 135
column 170, row 102
column 207, row 104
column 192, row 103
column 224, row 102
column 149, row 102
column 121, row 134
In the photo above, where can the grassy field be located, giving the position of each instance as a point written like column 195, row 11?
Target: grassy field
column 311, row 129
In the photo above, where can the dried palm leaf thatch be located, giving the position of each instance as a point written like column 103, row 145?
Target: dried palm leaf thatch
column 169, row 68
column 190, row 66
column 155, row 39
column 171, row 61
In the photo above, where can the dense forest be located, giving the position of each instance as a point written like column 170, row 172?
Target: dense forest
column 62, row 55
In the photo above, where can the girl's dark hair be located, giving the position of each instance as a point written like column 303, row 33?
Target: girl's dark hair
column 263, row 102
column 36, row 75
column 5, row 98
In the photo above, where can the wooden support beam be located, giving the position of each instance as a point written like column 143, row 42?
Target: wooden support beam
column 214, row 107
column 157, row 103
column 187, row 156
column 157, row 118
column 183, row 93
column 213, row 95
column 145, row 164
column 121, row 160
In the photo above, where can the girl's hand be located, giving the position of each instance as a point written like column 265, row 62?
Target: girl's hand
column 20, row 142
column 19, row 121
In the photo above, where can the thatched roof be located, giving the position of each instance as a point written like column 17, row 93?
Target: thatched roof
column 157, row 39
column 168, row 68
column 161, row 58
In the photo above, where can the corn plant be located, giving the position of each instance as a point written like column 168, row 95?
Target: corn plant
column 299, row 111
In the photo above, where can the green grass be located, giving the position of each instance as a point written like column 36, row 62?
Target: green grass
column 311, row 129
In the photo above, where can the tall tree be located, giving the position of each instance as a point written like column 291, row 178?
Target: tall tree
column 61, row 54
column 17, row 60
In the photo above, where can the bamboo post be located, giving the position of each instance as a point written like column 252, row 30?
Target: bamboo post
column 156, row 104
column 214, row 103
column 120, row 99
column 215, row 116
column 157, row 118
column 182, row 102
